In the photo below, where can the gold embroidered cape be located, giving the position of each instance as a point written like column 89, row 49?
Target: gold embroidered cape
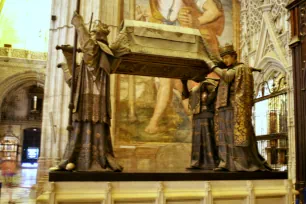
column 243, row 102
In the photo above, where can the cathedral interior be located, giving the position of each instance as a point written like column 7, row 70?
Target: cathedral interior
column 151, row 128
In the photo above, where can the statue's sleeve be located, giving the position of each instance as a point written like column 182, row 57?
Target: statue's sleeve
column 211, row 86
column 67, row 73
column 67, row 67
column 89, row 46
column 226, row 75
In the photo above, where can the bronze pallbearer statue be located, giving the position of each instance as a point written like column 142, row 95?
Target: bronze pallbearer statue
column 89, row 146
column 234, row 131
column 204, row 154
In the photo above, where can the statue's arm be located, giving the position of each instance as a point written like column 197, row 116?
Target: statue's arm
column 89, row 47
column 226, row 75
column 67, row 67
column 212, row 94
column 67, row 72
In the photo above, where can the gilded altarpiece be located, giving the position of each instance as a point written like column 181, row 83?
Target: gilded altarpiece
column 153, row 126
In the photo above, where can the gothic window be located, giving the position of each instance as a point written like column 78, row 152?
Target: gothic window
column 270, row 120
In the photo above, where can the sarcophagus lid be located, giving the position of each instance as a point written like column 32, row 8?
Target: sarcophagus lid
column 158, row 50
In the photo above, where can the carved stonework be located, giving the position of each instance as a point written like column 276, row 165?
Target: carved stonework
column 268, row 47
column 22, row 54
column 303, row 21
column 252, row 17
column 17, row 53
column 270, row 16
column 4, row 52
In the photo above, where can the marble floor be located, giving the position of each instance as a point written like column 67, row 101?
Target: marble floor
column 26, row 178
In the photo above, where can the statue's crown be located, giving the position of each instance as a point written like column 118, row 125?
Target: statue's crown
column 227, row 49
column 101, row 31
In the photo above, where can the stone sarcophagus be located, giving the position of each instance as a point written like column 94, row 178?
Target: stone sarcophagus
column 150, row 49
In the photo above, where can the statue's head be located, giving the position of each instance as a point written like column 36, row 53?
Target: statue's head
column 228, row 54
column 99, row 31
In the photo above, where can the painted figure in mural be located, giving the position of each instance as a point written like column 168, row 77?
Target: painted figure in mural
column 165, row 11
column 89, row 146
column 234, row 131
column 140, row 15
column 204, row 153
column 208, row 17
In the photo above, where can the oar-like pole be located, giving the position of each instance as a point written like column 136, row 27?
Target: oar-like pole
column 75, row 45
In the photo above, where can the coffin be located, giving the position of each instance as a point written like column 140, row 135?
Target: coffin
column 158, row 50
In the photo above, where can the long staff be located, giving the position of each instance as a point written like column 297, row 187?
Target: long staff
column 75, row 45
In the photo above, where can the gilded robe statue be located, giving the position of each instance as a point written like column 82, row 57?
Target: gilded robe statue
column 89, row 146
column 235, row 134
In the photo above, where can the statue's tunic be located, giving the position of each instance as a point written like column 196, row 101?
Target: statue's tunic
column 204, row 154
column 89, row 146
column 235, row 135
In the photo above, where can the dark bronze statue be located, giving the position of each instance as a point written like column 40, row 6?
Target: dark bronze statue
column 89, row 146
column 204, row 153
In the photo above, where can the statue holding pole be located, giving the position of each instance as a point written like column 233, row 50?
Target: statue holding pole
column 89, row 147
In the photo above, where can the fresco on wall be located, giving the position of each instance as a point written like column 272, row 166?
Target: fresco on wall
column 161, row 116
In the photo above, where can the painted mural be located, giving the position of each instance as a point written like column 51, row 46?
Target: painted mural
column 161, row 116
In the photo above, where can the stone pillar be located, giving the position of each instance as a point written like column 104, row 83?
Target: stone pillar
column 291, row 128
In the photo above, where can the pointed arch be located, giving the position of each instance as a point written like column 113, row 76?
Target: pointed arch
column 21, row 79
column 268, row 64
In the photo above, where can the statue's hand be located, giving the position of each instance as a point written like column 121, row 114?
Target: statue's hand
column 77, row 20
column 211, row 64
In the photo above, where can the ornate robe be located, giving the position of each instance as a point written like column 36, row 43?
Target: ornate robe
column 235, row 135
column 204, row 154
column 89, row 146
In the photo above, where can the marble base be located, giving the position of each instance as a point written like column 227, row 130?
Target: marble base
column 170, row 192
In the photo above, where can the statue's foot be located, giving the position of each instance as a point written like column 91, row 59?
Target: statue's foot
column 70, row 166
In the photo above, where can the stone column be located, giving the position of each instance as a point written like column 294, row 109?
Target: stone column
column 291, row 128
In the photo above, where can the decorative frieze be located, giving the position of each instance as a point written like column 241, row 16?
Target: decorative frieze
column 22, row 54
